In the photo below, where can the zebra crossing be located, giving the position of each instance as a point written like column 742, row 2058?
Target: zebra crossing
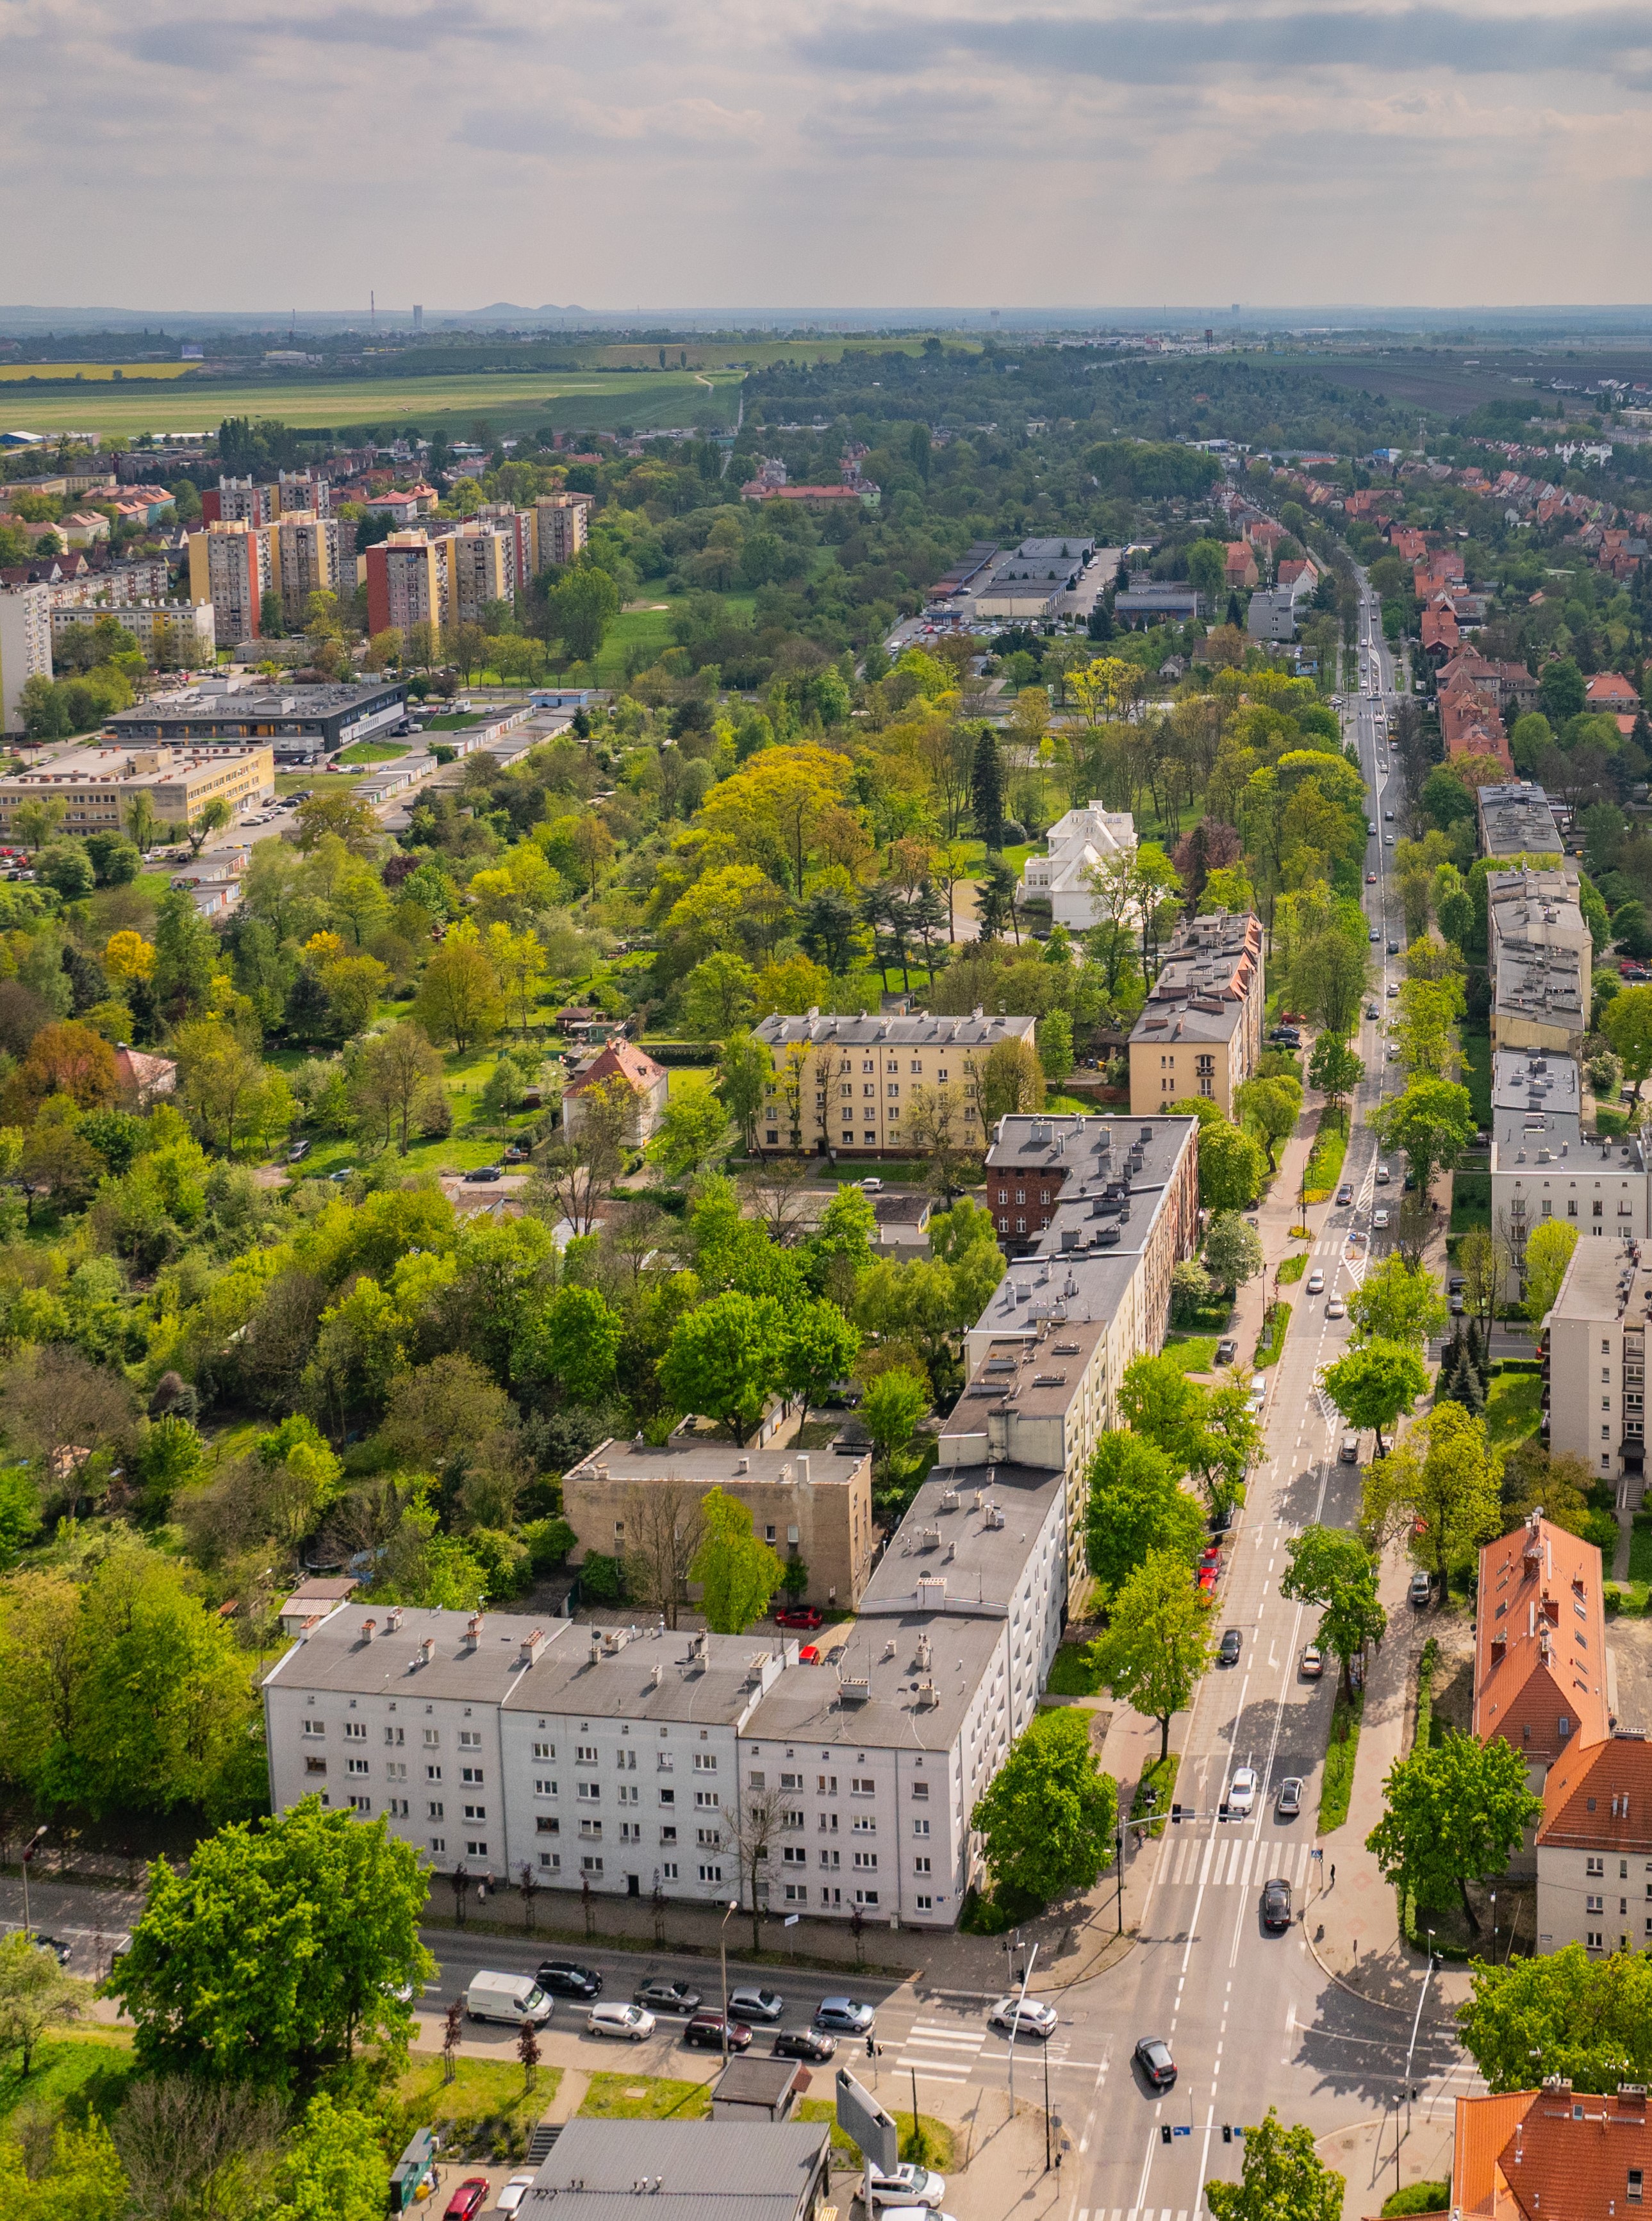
column 944, row 2051
column 1138, row 2213
column 1225, row 1861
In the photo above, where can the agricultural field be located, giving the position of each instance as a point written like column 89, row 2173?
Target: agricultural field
column 104, row 373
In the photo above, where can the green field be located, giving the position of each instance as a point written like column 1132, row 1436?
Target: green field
column 506, row 400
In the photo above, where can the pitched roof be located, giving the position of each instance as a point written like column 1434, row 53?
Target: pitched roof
column 1484, row 2126
column 1609, row 686
column 1599, row 1795
column 622, row 1059
column 1572, row 2155
column 1540, row 1643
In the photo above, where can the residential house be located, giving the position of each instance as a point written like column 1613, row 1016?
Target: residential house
column 1242, row 571
column 619, row 1060
column 141, row 1078
column 1077, row 843
column 1594, row 1848
column 847, row 1084
column 1542, row 1165
column 1596, row 1336
column 1200, row 1029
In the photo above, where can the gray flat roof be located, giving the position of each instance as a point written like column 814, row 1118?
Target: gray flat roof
column 1515, row 819
column 1537, row 981
column 976, row 1031
column 1603, row 1280
column 807, row 1706
column 754, row 2170
column 619, row 1684
column 711, row 1462
column 339, row 1655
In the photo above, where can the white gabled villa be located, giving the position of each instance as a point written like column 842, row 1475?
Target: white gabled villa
column 1084, row 838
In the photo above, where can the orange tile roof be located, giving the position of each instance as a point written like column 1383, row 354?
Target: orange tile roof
column 1599, row 1794
column 1540, row 1643
column 1608, row 686
column 1483, row 2127
column 621, row 1058
column 1571, row 2156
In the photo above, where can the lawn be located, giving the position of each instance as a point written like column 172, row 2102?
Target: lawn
column 372, row 751
column 1514, row 1408
column 1640, row 1548
column 483, row 2113
column 1337, row 1785
column 1070, row 1672
column 1324, row 1166
column 507, row 400
column 935, row 2146
column 452, row 721
column 92, row 372
column 1194, row 1353
column 1471, row 1201
column 1271, row 1340
column 77, row 2075
column 647, row 625
column 1155, row 1792
column 1292, row 1269
column 645, row 2098
column 1477, row 1073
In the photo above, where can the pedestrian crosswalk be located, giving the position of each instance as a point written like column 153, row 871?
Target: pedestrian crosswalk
column 1231, row 1858
column 943, row 2050
column 1138, row 2213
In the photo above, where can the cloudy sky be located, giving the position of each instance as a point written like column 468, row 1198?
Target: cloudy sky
column 874, row 151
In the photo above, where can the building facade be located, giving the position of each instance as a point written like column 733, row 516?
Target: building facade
column 1595, row 1346
column 1594, row 1848
column 171, row 634
column 295, row 719
column 619, row 1060
column 25, row 647
column 850, row 1086
column 1543, row 1166
column 1078, row 843
column 1200, row 1030
column 233, row 566
column 95, row 784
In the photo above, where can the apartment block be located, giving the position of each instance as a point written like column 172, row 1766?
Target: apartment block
column 1515, row 819
column 187, row 631
column 1542, row 959
column 25, row 647
column 814, row 1510
column 563, row 522
column 1543, row 1166
column 1595, row 1360
column 1200, row 1031
column 480, row 561
column 520, row 527
column 308, row 562
column 406, row 583
column 848, row 1084
column 1594, row 1848
column 233, row 566
column 242, row 501
column 96, row 784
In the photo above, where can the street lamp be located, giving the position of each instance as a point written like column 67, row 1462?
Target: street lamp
column 29, row 1848
column 722, row 1954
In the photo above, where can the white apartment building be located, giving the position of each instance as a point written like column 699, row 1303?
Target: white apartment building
column 847, row 1084
column 1078, row 842
column 563, row 520
column 188, row 627
column 1542, row 1167
column 1594, row 1849
column 1542, row 959
column 1596, row 1359
column 25, row 647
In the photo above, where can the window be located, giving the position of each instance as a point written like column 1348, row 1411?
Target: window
column 315, row 1727
column 797, row 1893
column 668, row 1834
column 361, row 1803
column 705, row 1800
column 668, row 1797
column 476, row 1850
column 432, row 1740
column 551, row 1861
column 394, row 1736
column 547, row 1824
column 629, row 1793
column 867, row 1860
column 705, row 1761
column 355, row 1765
column 866, row 1896
column 355, row 1731
column 863, row 1823
column 585, row 1753
column 1598, row 1867
column 626, row 1761
column 471, row 1773
column 1637, row 2183
column 591, row 1831
column 476, row 1811
column 826, row 1783
column 709, row 1839
column 919, row 1789
column 469, row 1739
column 435, row 1810
column 710, row 1872
column 319, row 1766
column 1594, row 1939
column 793, row 1855
column 544, row 1750
column 862, row 1784
column 438, row 1845
column 668, row 1870
column 588, row 1792
column 393, row 1772
column 543, row 1785
column 590, row 1865
column 663, row 1761
column 924, row 1903
column 921, row 1866
column 433, row 1773
column 920, row 1827
column 1595, row 1905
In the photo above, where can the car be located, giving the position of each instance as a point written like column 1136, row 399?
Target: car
column 1370, row 878
column 1457, row 1283
column 847, row 2016
column 750, row 2003
column 1379, row 1218
column 1336, row 1308
column 810, row 2043
column 514, row 2191
column 1228, row 1649
column 661, row 1995
column 58, row 1949
column 615, row 2018
column 1384, row 1176
column 1456, row 1305
column 1315, row 1282
column 1152, row 2058
column 469, row 2198
column 705, row 2031
column 1212, row 1554
column 872, row 1187
column 1374, row 935
column 484, row 1173
column 1276, row 1904
column 809, row 1655
column 1387, row 816
column 566, row 1978
column 1313, row 1662
column 1421, row 1590
column 344, row 1172
column 1205, row 1578
column 1226, row 1350
column 1371, row 1010
column 1393, row 989
column 1287, row 1805
column 809, row 1616
column 1394, row 949
column 1349, row 1452
column 1370, row 825
column 1018, row 2016
column 299, row 1152
column 909, row 2184
column 1242, row 1793
column 1345, row 1192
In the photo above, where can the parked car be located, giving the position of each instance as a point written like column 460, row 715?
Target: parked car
column 808, row 1616
column 566, row 1978
column 299, row 1152
column 1313, row 1662
column 1421, row 1590
column 847, row 2016
column 706, row 2032
column 1456, row 1305
column 810, row 2043
column 1228, row 1649
column 1152, row 2058
column 344, row 1172
column 482, row 1173
column 750, row 2003
column 509, row 2198
column 1241, row 1792
column 513, row 1999
column 1205, row 1580
column 809, row 1655
column 1288, row 1802
column 1315, row 1282
column 469, row 2198
column 624, row 2020
column 58, row 1949
column 907, row 2184
column 1226, row 1350
column 663, row 1996
column 1276, row 1905
column 1349, row 1452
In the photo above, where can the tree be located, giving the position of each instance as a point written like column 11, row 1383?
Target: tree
column 339, row 815
column 725, row 1358
column 1012, row 1079
column 1484, row 1265
column 1048, row 1818
column 1055, row 1046
column 1432, row 1120
column 1453, row 1812
column 579, row 1172
column 67, row 1060
column 821, row 1345
column 1586, row 2019
column 67, row 869
column 744, row 1070
column 1332, row 1568
column 1548, row 1252
column 400, row 1075
column 938, row 1132
column 1158, row 1642
column 1397, row 1302
column 216, row 1074
column 664, row 1530
column 1134, row 1506
column 142, row 822
column 1374, row 1383
column 986, row 789
column 895, row 1401
column 335, row 2169
column 1627, row 1023
column 718, row 996
column 1282, row 2178
column 187, row 952
column 1233, row 1251
column 1230, row 1168
column 1271, row 1108
column 34, row 1992
column 1335, row 1070
column 737, row 1574
column 579, row 609
column 211, row 817
column 279, row 1951
column 1329, row 974
column 693, row 1129
column 35, row 821
column 458, row 998
column 1441, row 1485
column 1560, row 690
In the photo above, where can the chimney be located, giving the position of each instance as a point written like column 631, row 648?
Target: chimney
column 369, row 1628
column 427, row 1650
column 742, row 1465
column 802, row 1471
column 393, row 1620
column 531, row 1646
column 473, row 1630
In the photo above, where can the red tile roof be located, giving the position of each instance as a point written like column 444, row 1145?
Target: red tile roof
column 1571, row 2157
column 1483, row 2127
column 1599, row 1795
column 1607, row 687
column 1540, row 1643
column 620, row 1059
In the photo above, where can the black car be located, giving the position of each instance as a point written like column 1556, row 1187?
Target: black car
column 704, row 2030
column 1276, row 1905
column 1152, row 2058
column 1228, row 1649
column 484, row 1173
column 59, row 1951
column 661, row 1996
column 566, row 1978
column 811, row 2043
column 1394, row 949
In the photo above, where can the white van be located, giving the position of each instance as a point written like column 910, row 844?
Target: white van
column 509, row 1997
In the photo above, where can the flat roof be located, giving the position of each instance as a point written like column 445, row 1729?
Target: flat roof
column 711, row 1681
column 678, row 2171
column 296, row 699
column 1605, row 1281
column 978, row 1030
column 1515, row 819
column 711, row 1462
column 1537, row 979
column 340, row 1657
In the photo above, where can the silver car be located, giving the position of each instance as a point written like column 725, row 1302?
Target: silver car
column 756, row 2004
column 1014, row 2015
column 1288, row 1804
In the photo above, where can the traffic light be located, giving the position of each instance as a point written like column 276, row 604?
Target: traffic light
column 1227, row 2132
column 1175, row 1814
column 1164, row 2132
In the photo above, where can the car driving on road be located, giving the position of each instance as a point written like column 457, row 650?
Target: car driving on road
column 1242, row 1793
column 1152, row 2058
column 662, row 1996
column 846, row 2015
column 752, row 2004
column 1023, row 2016
column 1228, row 1649
column 1276, row 1905
column 1287, row 1805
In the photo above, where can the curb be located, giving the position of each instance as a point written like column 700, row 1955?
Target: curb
column 1348, row 1988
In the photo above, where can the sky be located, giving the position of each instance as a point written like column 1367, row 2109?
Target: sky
column 901, row 152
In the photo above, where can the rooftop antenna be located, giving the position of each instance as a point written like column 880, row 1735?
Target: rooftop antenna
column 373, row 307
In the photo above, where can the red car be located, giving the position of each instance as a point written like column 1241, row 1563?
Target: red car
column 808, row 1616
column 809, row 1655
column 468, row 2199
column 1207, row 1581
